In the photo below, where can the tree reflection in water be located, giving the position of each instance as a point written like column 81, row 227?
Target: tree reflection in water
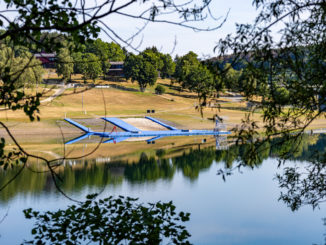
column 301, row 183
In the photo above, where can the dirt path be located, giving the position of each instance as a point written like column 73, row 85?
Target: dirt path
column 56, row 94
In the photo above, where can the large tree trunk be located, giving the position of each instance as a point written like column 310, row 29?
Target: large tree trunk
column 142, row 88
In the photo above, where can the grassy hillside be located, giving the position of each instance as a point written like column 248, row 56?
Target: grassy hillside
column 123, row 99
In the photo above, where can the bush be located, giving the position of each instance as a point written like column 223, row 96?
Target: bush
column 118, row 220
column 159, row 89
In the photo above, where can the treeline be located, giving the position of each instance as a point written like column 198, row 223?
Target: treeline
column 92, row 59
column 206, row 78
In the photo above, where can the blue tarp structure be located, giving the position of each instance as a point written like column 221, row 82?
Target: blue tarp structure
column 116, row 140
column 161, row 123
column 121, row 124
column 134, row 132
column 78, row 125
column 78, row 138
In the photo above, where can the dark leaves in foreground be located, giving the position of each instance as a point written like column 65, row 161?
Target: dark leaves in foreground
column 110, row 221
column 303, row 185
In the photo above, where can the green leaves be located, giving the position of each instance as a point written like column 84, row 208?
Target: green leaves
column 110, row 221
column 18, row 72
column 92, row 66
column 11, row 157
column 141, row 68
column 65, row 64
column 284, row 76
column 196, row 77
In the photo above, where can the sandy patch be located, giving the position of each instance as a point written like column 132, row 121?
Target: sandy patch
column 139, row 138
column 144, row 124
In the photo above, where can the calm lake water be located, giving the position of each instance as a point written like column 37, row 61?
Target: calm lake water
column 242, row 210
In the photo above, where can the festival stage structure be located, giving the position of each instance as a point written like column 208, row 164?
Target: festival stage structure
column 133, row 132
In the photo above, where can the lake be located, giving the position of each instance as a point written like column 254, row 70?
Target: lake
column 243, row 209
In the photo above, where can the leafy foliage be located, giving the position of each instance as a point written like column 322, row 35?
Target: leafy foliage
column 303, row 185
column 141, row 68
column 168, row 67
column 16, row 72
column 110, row 221
column 195, row 76
column 9, row 157
column 159, row 89
column 184, row 65
column 87, row 64
column 65, row 65
column 115, row 52
column 285, row 75
column 101, row 50
column 288, row 70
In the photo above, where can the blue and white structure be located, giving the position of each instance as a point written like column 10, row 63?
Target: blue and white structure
column 133, row 132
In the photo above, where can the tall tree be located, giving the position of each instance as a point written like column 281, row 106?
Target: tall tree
column 24, row 70
column 101, row 50
column 295, row 62
column 115, row 52
column 78, row 62
column 65, row 64
column 168, row 67
column 196, row 77
column 200, row 80
column 140, row 69
column 91, row 66
column 153, row 56
column 184, row 65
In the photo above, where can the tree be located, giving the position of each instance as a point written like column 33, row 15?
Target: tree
column 295, row 61
column 184, row 65
column 153, row 56
column 216, row 69
column 78, row 62
column 193, row 75
column 101, row 50
column 141, row 69
column 200, row 80
column 19, row 66
column 168, row 67
column 231, row 78
column 65, row 64
column 115, row 52
column 163, row 62
column 91, row 66
column 284, row 69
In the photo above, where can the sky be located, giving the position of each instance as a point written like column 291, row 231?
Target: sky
column 163, row 36
column 173, row 39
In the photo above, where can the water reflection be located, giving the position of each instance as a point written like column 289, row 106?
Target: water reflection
column 186, row 175
column 93, row 173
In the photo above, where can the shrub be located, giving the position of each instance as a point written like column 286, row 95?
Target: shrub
column 159, row 89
